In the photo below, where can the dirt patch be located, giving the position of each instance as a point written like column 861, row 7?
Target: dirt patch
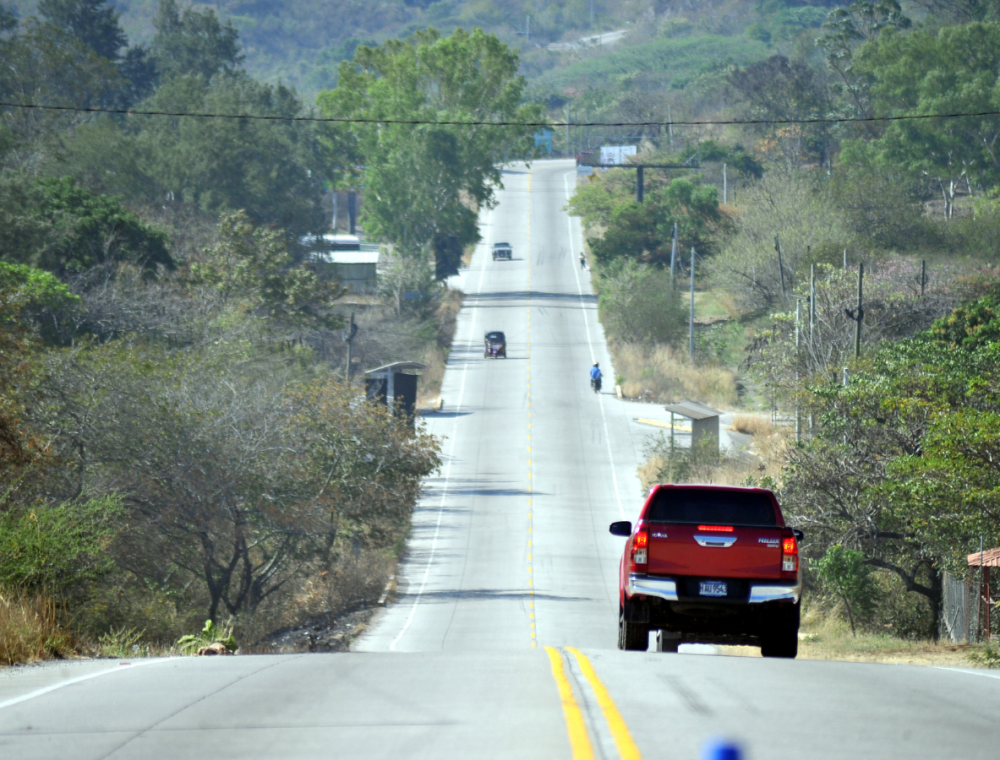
column 323, row 633
column 888, row 652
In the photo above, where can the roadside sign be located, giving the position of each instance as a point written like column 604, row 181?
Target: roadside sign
column 616, row 154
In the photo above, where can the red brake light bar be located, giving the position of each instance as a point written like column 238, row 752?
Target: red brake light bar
column 717, row 528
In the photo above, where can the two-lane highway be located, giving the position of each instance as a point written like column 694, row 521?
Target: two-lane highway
column 510, row 544
column 501, row 643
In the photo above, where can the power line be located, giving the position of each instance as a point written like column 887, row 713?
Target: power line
column 455, row 123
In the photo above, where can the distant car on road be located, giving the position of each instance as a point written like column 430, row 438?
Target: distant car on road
column 502, row 251
column 495, row 345
column 711, row 564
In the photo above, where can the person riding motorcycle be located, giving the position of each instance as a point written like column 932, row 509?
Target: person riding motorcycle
column 595, row 377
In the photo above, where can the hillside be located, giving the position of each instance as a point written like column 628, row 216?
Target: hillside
column 302, row 41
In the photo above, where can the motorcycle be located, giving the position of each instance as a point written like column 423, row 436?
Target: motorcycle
column 595, row 384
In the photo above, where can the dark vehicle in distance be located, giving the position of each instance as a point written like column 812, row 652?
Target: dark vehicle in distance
column 502, row 252
column 710, row 564
column 495, row 345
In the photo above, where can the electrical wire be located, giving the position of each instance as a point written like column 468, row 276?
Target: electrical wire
column 455, row 123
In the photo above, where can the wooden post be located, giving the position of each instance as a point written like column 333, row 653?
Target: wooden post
column 673, row 254
column 923, row 276
column 781, row 266
column 861, row 310
column 638, row 183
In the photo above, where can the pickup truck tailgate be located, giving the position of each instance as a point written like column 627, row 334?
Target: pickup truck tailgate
column 708, row 551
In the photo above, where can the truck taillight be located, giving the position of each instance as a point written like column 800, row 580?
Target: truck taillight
column 640, row 547
column 789, row 555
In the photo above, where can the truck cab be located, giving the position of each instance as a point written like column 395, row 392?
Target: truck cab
column 502, row 252
column 710, row 564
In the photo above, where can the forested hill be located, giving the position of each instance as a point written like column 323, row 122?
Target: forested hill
column 301, row 41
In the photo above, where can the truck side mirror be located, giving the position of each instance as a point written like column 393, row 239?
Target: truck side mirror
column 621, row 528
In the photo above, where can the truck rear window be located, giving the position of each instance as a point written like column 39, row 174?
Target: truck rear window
column 709, row 507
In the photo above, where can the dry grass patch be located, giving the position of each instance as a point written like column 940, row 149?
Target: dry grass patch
column 752, row 424
column 30, row 629
column 826, row 636
column 662, row 374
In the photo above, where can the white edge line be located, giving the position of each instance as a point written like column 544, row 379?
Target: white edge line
column 968, row 672
column 451, row 458
column 590, row 345
column 78, row 679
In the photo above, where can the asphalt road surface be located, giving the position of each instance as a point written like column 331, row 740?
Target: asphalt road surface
column 501, row 643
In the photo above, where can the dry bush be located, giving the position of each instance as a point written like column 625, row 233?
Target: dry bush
column 356, row 580
column 660, row 373
column 30, row 629
column 752, row 424
column 728, row 469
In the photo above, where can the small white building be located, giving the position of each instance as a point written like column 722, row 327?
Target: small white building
column 346, row 258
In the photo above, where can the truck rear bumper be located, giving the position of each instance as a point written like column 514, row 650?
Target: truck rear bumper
column 666, row 589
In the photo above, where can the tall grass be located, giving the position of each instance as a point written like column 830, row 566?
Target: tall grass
column 31, row 630
column 660, row 373
column 752, row 424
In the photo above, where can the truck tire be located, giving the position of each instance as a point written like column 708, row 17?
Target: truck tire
column 780, row 636
column 632, row 637
column 665, row 644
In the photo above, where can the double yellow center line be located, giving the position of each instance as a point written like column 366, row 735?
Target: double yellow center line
column 576, row 726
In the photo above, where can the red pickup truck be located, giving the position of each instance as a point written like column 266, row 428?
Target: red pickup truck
column 712, row 564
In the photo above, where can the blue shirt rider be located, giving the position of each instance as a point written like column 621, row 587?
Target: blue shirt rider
column 595, row 372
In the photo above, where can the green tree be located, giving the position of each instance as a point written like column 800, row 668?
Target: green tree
column 270, row 169
column 844, row 572
column 193, row 42
column 955, row 71
column 95, row 23
column 253, row 265
column 644, row 231
column 419, row 180
column 60, row 227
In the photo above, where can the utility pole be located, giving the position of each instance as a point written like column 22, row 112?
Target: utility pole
column 858, row 314
column 781, row 266
column 673, row 255
column 812, row 304
column 923, row 276
column 640, row 182
column 670, row 128
column 691, row 325
column 725, row 186
column 349, row 336
column 798, row 353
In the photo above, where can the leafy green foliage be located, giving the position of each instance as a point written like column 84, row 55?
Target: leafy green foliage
column 644, row 231
column 82, row 230
column 193, row 42
column 971, row 325
column 93, row 22
column 417, row 178
column 253, row 265
column 271, row 170
column 844, row 572
column 639, row 304
column 56, row 548
column 210, row 634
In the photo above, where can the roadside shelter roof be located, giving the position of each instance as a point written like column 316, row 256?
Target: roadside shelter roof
column 405, row 368
column 692, row 410
column 987, row 558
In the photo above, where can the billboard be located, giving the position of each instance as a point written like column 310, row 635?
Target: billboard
column 616, row 154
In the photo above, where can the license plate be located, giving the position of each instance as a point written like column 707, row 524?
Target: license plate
column 712, row 588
